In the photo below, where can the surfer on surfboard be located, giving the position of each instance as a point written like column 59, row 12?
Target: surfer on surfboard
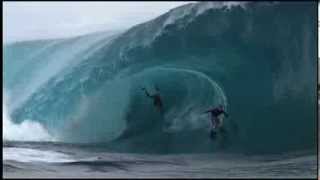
column 157, row 102
column 215, row 120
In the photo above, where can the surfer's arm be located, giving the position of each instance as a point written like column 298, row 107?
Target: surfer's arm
column 147, row 94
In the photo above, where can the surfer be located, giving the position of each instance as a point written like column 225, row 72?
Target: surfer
column 157, row 102
column 215, row 120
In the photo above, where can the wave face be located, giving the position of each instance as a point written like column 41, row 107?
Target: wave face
column 258, row 59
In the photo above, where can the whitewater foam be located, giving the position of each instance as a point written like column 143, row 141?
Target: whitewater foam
column 28, row 130
column 34, row 155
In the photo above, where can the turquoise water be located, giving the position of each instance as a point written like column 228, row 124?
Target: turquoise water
column 257, row 59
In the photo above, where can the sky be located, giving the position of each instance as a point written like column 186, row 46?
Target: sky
column 43, row 20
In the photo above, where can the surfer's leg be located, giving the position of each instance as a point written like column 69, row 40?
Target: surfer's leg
column 213, row 122
column 220, row 122
column 216, row 123
column 213, row 132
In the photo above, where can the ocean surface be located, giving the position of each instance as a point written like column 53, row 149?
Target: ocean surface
column 52, row 160
column 75, row 107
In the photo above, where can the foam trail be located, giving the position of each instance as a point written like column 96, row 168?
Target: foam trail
column 26, row 131
column 202, row 75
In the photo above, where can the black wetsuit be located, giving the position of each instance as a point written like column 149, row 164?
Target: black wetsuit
column 215, row 112
column 157, row 102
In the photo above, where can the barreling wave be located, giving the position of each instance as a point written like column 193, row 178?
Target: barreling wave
column 257, row 59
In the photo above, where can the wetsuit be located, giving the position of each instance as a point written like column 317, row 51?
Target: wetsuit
column 157, row 102
column 215, row 113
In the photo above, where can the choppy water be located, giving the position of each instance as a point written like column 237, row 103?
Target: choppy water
column 69, row 160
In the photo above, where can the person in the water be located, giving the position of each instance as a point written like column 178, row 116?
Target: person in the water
column 157, row 101
column 215, row 120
